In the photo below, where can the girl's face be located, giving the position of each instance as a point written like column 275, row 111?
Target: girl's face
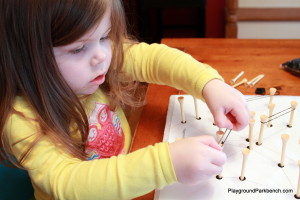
column 85, row 62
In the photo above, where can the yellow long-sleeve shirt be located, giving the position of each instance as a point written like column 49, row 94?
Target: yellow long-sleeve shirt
column 57, row 175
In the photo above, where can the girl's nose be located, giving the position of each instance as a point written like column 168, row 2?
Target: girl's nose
column 98, row 57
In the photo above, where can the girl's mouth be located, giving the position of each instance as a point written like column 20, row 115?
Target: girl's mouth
column 99, row 79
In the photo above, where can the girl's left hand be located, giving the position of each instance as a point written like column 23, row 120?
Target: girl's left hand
column 226, row 104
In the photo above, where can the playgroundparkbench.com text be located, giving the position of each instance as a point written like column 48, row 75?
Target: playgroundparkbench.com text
column 257, row 190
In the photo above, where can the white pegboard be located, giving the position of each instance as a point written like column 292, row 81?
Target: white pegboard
column 264, row 179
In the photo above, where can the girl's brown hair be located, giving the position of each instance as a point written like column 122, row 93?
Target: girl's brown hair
column 29, row 29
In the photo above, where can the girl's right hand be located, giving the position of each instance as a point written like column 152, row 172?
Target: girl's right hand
column 196, row 158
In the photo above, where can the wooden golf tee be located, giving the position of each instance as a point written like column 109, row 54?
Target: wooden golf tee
column 240, row 83
column 245, row 153
column 196, row 108
column 256, row 80
column 183, row 135
column 236, row 78
column 272, row 92
column 271, row 108
column 219, row 176
column 250, row 138
column 252, row 80
column 293, row 105
column 297, row 195
column 285, row 138
column 252, row 114
column 181, row 99
column 219, row 134
column 263, row 119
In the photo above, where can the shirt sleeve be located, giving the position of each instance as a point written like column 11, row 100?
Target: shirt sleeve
column 160, row 64
column 54, row 173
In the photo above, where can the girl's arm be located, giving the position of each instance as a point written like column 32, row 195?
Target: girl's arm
column 55, row 173
column 160, row 64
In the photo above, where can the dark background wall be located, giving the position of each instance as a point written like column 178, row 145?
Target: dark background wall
column 215, row 19
column 151, row 20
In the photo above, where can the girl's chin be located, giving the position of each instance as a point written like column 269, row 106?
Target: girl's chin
column 87, row 90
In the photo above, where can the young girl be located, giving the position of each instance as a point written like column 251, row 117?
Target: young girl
column 68, row 68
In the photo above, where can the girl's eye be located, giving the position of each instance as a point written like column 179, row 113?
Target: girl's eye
column 76, row 51
column 104, row 38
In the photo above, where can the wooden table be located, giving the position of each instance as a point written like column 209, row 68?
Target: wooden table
column 229, row 57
